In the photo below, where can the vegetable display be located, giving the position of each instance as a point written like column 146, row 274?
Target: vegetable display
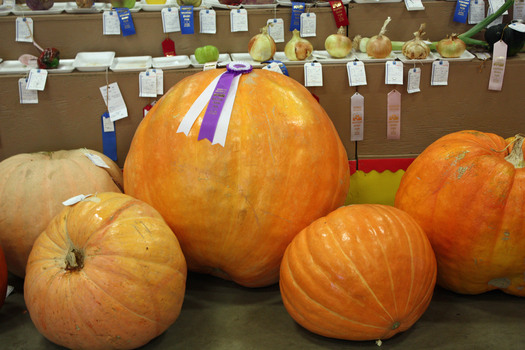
column 363, row 272
column 467, row 192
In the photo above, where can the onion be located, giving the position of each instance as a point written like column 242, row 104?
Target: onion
column 379, row 46
column 338, row 45
column 297, row 49
column 451, row 46
column 261, row 47
column 416, row 48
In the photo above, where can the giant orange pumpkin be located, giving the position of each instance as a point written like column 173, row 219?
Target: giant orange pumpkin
column 32, row 189
column 468, row 193
column 236, row 207
column 107, row 273
column 363, row 272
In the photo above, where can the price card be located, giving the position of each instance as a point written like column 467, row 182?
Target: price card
column 414, row 78
column 308, row 24
column 476, row 11
column 393, row 115
column 96, row 159
column 239, row 20
column 356, row 73
column 273, row 66
column 110, row 23
column 116, row 106
column 160, row 79
column 170, row 20
column 313, row 74
column 207, row 21
column 26, row 96
column 394, row 72
column 518, row 11
column 24, row 29
column 147, row 84
column 499, row 59
column 37, row 79
column 276, row 29
column 439, row 73
column 357, row 117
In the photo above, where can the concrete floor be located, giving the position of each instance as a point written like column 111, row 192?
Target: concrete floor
column 221, row 315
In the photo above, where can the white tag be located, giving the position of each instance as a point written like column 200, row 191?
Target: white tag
column 276, row 29
column 273, row 66
column 414, row 5
column 414, row 78
column 170, row 19
column 313, row 74
column 517, row 26
column 357, row 117
column 110, row 23
column 24, row 28
column 482, row 55
column 499, row 59
column 209, row 65
column 356, row 73
column 147, row 84
column 10, row 290
column 476, row 11
column 494, row 5
column 96, row 159
column 75, row 200
column 207, row 20
column 394, row 73
column 239, row 20
column 160, row 79
column 107, row 124
column 37, row 79
column 26, row 96
column 116, row 107
column 307, row 24
column 518, row 11
column 439, row 73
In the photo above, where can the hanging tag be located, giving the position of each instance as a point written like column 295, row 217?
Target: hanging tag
column 308, row 24
column 394, row 73
column 75, row 199
column 126, row 21
column 170, row 20
column 147, row 108
column 168, row 47
column 499, row 59
column 461, row 11
column 297, row 9
column 339, row 12
column 239, row 20
column 276, row 29
column 26, row 96
column 10, row 290
column 273, row 66
column 357, row 117
column 356, row 73
column 147, row 84
column 160, row 79
column 518, row 10
column 517, row 26
column 393, row 115
column 96, row 159
column 116, row 107
column 476, row 11
column 110, row 23
column 414, row 5
column 24, row 29
column 283, row 68
column 313, row 74
column 494, row 5
column 414, row 78
column 109, row 137
column 207, row 21
column 186, row 18
column 37, row 79
column 439, row 73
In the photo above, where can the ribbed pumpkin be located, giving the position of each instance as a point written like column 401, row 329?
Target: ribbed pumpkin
column 107, row 273
column 468, row 194
column 3, row 277
column 363, row 272
column 236, row 208
column 32, row 189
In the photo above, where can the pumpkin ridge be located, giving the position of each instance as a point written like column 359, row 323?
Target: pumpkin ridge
column 134, row 258
column 412, row 265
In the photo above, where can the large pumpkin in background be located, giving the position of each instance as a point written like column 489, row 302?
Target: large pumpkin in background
column 107, row 273
column 32, row 189
column 236, row 207
column 467, row 191
column 363, row 272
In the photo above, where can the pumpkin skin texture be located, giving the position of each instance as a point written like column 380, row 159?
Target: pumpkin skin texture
column 236, row 208
column 3, row 277
column 470, row 202
column 363, row 272
column 32, row 189
column 107, row 273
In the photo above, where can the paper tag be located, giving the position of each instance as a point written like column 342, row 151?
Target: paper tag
column 461, row 11
column 482, row 55
column 357, row 117
column 170, row 20
column 494, row 5
column 394, row 73
column 273, row 66
column 110, row 23
column 499, row 59
column 297, row 9
column 107, row 124
column 26, row 96
column 160, row 79
column 239, row 20
column 10, row 290
column 414, row 78
column 517, row 26
column 186, row 18
column 147, row 84
column 109, row 137
column 209, row 66
column 439, row 73
column 313, row 74
column 37, row 79
column 356, row 73
column 476, row 11
column 126, row 21
column 393, row 115
column 276, row 29
column 76, row 199
column 96, row 159
column 116, row 107
column 24, row 29
column 339, row 12
column 518, row 10
column 207, row 21
column 414, row 5
column 308, row 24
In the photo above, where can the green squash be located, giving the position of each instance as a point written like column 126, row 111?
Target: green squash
column 194, row 3
column 208, row 53
column 511, row 37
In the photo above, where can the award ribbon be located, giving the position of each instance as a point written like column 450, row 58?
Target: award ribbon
column 340, row 16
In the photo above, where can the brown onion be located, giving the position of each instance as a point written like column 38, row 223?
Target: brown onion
column 416, row 48
column 338, row 45
column 298, row 49
column 261, row 47
column 379, row 46
column 451, row 46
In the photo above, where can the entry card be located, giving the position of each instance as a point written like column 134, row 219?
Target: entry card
column 239, row 20
column 356, row 73
column 110, row 23
column 116, row 106
column 207, row 21
column 276, row 29
column 308, row 24
column 313, row 74
column 170, row 20
column 394, row 73
column 24, row 29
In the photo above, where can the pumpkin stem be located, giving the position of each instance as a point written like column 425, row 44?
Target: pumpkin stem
column 74, row 260
column 516, row 155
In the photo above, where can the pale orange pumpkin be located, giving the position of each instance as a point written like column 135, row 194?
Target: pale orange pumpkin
column 107, row 273
column 32, row 189
column 363, row 272
column 236, row 208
